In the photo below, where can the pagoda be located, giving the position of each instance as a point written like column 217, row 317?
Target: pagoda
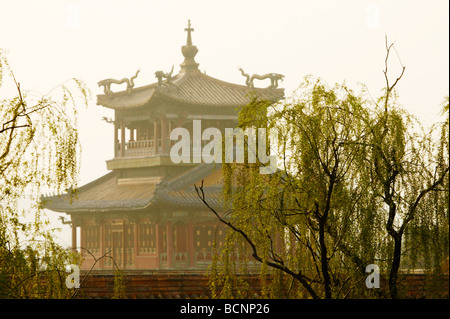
column 145, row 213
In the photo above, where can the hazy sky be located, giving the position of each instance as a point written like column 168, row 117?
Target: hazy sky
column 49, row 42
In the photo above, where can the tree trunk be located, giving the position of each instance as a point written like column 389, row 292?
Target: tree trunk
column 393, row 276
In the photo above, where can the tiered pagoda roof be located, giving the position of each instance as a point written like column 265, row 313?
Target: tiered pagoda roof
column 190, row 88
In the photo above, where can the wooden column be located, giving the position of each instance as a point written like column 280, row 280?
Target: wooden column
column 122, row 139
column 163, row 135
column 158, row 244
column 136, row 238
column 116, row 140
column 81, row 239
column 155, row 136
column 123, row 245
column 101, row 244
column 190, row 242
column 74, row 236
column 169, row 231
column 169, row 142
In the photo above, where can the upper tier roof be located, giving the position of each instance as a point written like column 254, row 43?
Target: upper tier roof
column 189, row 87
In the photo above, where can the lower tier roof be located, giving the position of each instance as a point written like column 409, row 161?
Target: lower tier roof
column 112, row 193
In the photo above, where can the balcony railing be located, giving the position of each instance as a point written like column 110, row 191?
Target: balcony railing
column 147, row 147
column 139, row 148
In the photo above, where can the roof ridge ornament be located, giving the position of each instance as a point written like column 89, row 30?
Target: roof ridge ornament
column 107, row 83
column 274, row 78
column 160, row 75
column 189, row 51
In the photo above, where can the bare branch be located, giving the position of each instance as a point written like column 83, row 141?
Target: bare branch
column 389, row 88
column 92, row 267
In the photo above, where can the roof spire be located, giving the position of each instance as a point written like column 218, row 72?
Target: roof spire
column 189, row 51
column 189, row 30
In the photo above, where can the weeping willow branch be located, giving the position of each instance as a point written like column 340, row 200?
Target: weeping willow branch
column 278, row 264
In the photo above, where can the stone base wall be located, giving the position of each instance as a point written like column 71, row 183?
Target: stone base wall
column 167, row 284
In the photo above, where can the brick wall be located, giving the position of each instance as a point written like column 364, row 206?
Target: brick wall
column 166, row 284
column 154, row 285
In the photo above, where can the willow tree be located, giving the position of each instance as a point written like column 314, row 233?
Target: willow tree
column 300, row 220
column 356, row 177
column 408, row 164
column 39, row 151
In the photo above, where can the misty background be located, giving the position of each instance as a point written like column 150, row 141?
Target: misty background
column 49, row 42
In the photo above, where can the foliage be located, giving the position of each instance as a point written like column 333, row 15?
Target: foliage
column 39, row 151
column 360, row 182
column 119, row 286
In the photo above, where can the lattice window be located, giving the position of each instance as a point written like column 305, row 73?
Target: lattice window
column 205, row 236
column 147, row 238
column 91, row 238
column 163, row 237
column 179, row 238
column 129, row 243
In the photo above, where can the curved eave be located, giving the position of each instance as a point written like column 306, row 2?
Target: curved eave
column 107, row 195
column 173, row 199
column 128, row 100
column 62, row 205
